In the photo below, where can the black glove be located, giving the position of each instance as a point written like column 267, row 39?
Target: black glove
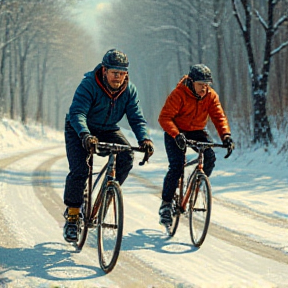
column 181, row 141
column 148, row 146
column 88, row 142
column 229, row 144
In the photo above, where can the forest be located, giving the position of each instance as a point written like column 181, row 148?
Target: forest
column 44, row 52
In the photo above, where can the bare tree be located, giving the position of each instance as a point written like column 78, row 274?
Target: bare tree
column 259, row 75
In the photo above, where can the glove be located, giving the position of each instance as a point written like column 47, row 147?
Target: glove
column 181, row 141
column 148, row 146
column 88, row 142
column 229, row 144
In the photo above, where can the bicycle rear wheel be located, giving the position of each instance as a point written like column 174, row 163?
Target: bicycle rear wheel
column 200, row 209
column 176, row 202
column 110, row 228
column 83, row 228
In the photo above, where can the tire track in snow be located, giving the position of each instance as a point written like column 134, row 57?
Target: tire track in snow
column 130, row 265
column 231, row 236
column 10, row 240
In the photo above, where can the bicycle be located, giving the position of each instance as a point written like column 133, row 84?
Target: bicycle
column 194, row 196
column 103, row 205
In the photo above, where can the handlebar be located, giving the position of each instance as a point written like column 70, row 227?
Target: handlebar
column 117, row 148
column 205, row 145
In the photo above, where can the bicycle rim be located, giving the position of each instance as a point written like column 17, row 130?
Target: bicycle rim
column 110, row 227
column 200, row 209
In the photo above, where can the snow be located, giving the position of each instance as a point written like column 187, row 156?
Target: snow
column 248, row 188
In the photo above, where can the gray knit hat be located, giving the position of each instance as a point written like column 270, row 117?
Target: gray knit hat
column 200, row 72
column 114, row 59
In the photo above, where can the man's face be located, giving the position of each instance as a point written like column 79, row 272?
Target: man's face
column 115, row 77
column 201, row 88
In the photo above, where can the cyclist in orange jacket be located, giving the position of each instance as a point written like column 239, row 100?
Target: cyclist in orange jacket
column 185, row 115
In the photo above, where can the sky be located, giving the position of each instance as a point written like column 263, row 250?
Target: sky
column 87, row 12
column 249, row 201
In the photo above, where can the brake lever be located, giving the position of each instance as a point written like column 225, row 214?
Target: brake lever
column 228, row 154
column 145, row 158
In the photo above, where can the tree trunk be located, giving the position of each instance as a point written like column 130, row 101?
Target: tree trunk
column 262, row 131
column 23, row 101
column 2, row 71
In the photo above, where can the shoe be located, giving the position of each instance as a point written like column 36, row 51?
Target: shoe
column 70, row 232
column 71, row 227
column 165, row 213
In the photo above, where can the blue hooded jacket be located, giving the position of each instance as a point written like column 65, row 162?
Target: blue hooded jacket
column 94, row 109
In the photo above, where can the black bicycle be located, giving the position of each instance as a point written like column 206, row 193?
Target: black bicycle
column 194, row 195
column 103, row 205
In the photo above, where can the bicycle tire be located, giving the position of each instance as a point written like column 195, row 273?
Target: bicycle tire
column 110, row 228
column 176, row 203
column 200, row 209
column 83, row 227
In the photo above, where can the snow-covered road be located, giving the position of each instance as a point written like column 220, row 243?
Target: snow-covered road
column 244, row 248
column 246, row 244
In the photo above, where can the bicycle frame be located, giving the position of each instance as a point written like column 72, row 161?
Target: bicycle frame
column 199, row 168
column 202, row 146
column 197, row 194
column 110, row 172
column 106, row 211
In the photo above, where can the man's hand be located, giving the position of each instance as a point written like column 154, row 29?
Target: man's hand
column 148, row 146
column 181, row 141
column 88, row 142
column 229, row 144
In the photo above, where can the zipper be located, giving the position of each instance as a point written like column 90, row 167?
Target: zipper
column 112, row 104
column 196, row 112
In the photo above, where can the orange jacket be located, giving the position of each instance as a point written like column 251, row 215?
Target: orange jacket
column 182, row 111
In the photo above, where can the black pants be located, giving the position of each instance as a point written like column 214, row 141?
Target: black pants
column 76, row 155
column 176, row 159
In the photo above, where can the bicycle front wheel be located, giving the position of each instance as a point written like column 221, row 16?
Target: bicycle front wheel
column 200, row 209
column 110, row 228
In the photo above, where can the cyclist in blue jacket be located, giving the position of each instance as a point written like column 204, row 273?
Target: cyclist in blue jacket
column 101, row 100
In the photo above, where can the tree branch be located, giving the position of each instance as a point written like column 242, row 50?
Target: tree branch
column 235, row 12
column 261, row 20
column 279, row 48
column 282, row 20
column 3, row 45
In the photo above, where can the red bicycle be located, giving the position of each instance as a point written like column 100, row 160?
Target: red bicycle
column 194, row 196
column 103, row 205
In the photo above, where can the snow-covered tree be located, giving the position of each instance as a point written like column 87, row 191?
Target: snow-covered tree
column 259, row 70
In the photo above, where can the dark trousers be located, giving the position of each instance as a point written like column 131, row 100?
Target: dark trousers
column 176, row 159
column 76, row 155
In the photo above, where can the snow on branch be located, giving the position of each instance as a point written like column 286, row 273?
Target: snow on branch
column 280, row 22
column 3, row 45
column 261, row 20
column 278, row 49
column 275, row 2
column 168, row 27
column 235, row 12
